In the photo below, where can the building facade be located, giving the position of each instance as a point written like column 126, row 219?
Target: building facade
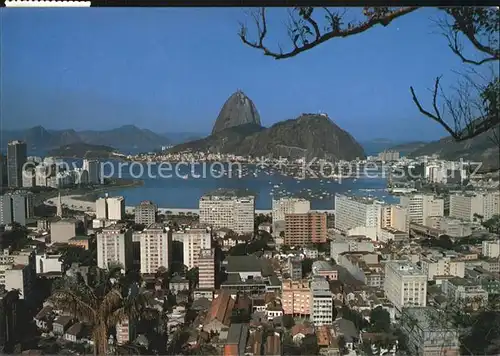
column 155, row 248
column 110, row 208
column 145, row 213
column 206, row 269
column 405, row 284
column 305, row 229
column 114, row 245
column 16, row 159
column 228, row 209
column 193, row 240
column 421, row 206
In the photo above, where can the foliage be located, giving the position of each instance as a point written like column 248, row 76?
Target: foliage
column 288, row 321
column 354, row 316
column 193, row 276
column 380, row 320
column 79, row 255
column 102, row 307
column 474, row 106
column 306, row 266
column 493, row 224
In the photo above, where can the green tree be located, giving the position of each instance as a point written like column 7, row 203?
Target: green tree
column 380, row 320
column 288, row 321
column 473, row 109
column 306, row 266
column 101, row 308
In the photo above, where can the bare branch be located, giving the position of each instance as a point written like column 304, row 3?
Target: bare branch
column 378, row 16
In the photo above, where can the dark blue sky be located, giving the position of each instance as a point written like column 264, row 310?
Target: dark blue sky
column 171, row 69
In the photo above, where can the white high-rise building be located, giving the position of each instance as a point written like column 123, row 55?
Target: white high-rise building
column 321, row 301
column 114, row 245
column 421, row 206
column 491, row 249
column 228, row 209
column 405, row 285
column 110, row 208
column 92, row 167
column 466, row 207
column 354, row 212
column 156, row 248
column 206, row 265
column 16, row 207
column 193, row 241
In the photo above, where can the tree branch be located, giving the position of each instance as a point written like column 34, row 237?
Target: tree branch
column 377, row 17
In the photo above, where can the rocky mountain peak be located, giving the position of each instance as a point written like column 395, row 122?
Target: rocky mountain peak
column 238, row 110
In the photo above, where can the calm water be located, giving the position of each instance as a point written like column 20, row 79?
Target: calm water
column 184, row 190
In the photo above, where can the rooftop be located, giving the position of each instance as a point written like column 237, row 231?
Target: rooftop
column 227, row 194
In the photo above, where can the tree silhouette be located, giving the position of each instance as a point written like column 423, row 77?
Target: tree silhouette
column 474, row 108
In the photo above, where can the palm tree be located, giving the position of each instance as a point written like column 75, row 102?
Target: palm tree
column 102, row 308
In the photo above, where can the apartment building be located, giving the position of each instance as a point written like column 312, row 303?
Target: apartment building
column 63, row 229
column 110, row 208
column 92, row 167
column 284, row 206
column 16, row 207
column 193, row 240
column 451, row 226
column 145, row 213
column 321, row 302
column 206, row 266
column 405, row 284
column 296, row 297
column 226, row 208
column 394, row 216
column 294, row 268
column 421, row 206
column 325, row 269
column 305, row 229
column 155, row 243
column 491, row 249
column 427, row 337
column 437, row 264
column 363, row 266
column 470, row 292
column 340, row 244
column 16, row 159
column 354, row 212
column 468, row 206
column 114, row 245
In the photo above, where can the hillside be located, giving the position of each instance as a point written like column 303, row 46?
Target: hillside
column 82, row 150
column 480, row 148
column 408, row 147
column 128, row 136
column 310, row 135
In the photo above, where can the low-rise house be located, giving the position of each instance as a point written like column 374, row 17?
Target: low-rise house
column 78, row 332
column 61, row 324
column 274, row 310
column 219, row 314
column 177, row 284
column 348, row 330
column 44, row 318
column 300, row 331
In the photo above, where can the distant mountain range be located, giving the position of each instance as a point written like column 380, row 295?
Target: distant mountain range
column 122, row 138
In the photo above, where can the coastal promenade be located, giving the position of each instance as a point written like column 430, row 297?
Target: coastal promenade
column 73, row 203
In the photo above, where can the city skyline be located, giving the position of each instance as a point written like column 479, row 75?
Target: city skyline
column 172, row 69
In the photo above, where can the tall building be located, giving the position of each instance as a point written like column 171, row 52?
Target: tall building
column 305, row 229
column 405, row 285
column 206, row 265
column 16, row 207
column 491, row 249
column 421, row 206
column 226, row 208
column 156, row 248
column 10, row 326
column 394, row 216
column 92, row 167
column 296, row 297
column 145, row 213
column 354, row 212
column 110, row 208
column 193, row 241
column 16, row 158
column 321, row 302
column 467, row 207
column 284, row 206
column 388, row 156
column 114, row 245
column 3, row 170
